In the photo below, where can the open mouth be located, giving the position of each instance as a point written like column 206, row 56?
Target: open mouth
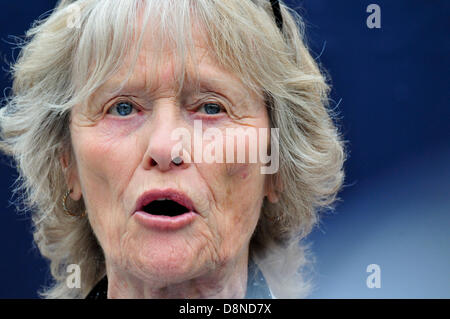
column 165, row 210
column 165, row 207
column 169, row 203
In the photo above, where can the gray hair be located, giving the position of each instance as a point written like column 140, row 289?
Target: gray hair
column 62, row 63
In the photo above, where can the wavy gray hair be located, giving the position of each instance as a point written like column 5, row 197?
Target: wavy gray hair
column 69, row 54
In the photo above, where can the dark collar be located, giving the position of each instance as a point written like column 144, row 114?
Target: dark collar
column 256, row 286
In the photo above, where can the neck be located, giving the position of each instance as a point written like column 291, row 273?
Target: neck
column 223, row 283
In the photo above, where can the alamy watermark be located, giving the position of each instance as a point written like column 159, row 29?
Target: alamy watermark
column 374, row 19
column 242, row 145
column 374, row 279
column 74, row 279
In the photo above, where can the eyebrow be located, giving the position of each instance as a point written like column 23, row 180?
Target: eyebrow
column 211, row 84
column 199, row 84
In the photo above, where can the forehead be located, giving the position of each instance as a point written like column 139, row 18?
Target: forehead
column 154, row 65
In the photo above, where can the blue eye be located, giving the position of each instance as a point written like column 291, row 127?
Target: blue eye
column 122, row 109
column 211, row 108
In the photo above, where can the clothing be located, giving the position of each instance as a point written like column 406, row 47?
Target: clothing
column 256, row 286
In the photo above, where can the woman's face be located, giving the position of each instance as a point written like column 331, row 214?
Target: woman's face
column 122, row 149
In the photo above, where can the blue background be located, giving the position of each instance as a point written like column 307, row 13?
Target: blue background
column 391, row 88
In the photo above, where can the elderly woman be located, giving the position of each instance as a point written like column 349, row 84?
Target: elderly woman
column 99, row 89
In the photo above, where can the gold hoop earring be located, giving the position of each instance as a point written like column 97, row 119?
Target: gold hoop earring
column 64, row 204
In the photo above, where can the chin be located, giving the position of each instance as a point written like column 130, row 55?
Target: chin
column 168, row 264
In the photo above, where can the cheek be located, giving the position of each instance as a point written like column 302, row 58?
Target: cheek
column 109, row 145
column 105, row 157
column 105, row 166
column 238, row 171
column 237, row 190
column 240, row 207
column 236, row 194
column 243, row 185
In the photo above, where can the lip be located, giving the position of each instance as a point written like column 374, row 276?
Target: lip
column 164, row 222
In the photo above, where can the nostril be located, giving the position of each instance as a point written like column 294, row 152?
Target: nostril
column 164, row 163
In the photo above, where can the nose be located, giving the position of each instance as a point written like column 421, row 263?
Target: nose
column 159, row 153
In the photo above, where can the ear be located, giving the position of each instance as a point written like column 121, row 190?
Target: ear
column 273, row 188
column 70, row 171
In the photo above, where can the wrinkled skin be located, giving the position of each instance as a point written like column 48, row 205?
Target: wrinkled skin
column 117, row 158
